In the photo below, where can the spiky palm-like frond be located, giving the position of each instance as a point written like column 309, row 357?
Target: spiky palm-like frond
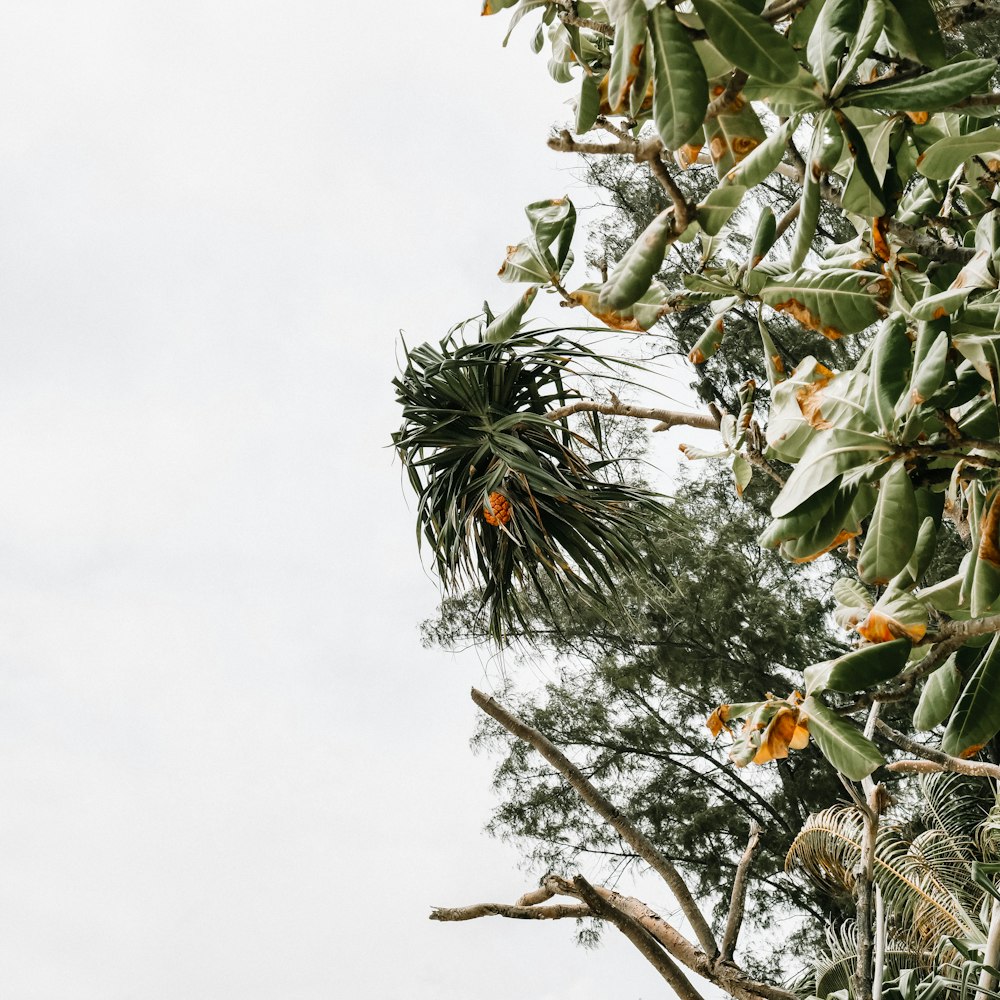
column 475, row 431
column 833, row 970
column 925, row 877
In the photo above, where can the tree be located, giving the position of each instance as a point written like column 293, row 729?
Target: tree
column 877, row 110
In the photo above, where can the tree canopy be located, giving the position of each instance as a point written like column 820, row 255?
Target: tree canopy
column 845, row 349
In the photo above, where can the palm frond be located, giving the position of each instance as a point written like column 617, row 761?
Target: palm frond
column 476, row 432
column 833, row 969
column 925, row 905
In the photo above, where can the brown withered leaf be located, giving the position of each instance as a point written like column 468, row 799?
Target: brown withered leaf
column 808, row 319
column 778, row 736
column 989, row 534
column 810, row 399
column 719, row 721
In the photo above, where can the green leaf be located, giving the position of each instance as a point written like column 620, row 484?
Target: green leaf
column 829, row 454
column 680, row 86
column 938, row 696
column 929, row 373
column 976, row 717
column 764, row 159
column 764, row 236
column 742, row 473
column 733, row 137
column 802, row 518
column 851, row 593
column 912, row 28
column 749, row 41
column 588, row 107
column 860, row 669
column 635, row 271
column 834, row 302
column 552, row 221
column 890, row 368
column 714, row 212
column 931, row 92
column 808, row 218
column 843, row 746
column 509, row 322
column 863, row 192
column 892, row 531
column 525, row 263
column 626, row 55
column 941, row 159
column 802, row 95
column 835, row 28
column 863, row 42
column 833, row 529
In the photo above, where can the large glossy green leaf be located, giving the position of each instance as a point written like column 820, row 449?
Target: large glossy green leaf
column 805, row 227
column 938, row 696
column 976, row 717
column 680, row 86
column 834, row 528
column 835, row 28
column 524, row 262
column 940, row 160
column 841, row 743
column 635, row 271
column 931, row 92
column 892, row 531
column 869, row 146
column 829, row 454
column 860, row 669
column 748, row 41
column 802, row 519
column 833, row 302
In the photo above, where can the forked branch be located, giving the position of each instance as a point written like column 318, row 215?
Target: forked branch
column 631, row 834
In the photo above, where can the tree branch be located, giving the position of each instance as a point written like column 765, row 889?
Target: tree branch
column 634, row 837
column 647, row 945
column 861, row 979
column 737, row 899
column 942, row 761
column 667, row 418
column 719, row 971
column 557, row 911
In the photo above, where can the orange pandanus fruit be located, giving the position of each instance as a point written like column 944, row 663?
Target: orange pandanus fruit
column 498, row 511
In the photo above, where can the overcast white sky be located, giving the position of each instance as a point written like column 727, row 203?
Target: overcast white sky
column 227, row 768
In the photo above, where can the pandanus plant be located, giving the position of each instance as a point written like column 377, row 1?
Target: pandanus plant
column 508, row 493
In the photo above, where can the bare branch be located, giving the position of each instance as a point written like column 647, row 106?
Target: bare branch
column 682, row 211
column 631, row 834
column 967, row 629
column 723, row 973
column 557, row 911
column 536, row 896
column 942, row 761
column 647, row 945
column 667, row 418
column 737, row 899
column 861, row 979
